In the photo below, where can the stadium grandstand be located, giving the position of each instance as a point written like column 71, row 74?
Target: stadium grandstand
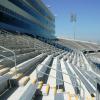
column 35, row 65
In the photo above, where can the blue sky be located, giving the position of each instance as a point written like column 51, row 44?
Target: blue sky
column 88, row 18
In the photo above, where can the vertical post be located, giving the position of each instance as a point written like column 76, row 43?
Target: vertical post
column 37, row 74
column 83, row 93
column 15, row 62
column 80, row 89
column 73, row 20
column 74, row 30
column 98, row 89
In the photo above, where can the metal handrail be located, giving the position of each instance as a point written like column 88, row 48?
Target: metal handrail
column 11, row 60
column 61, row 79
column 14, row 60
column 59, row 71
column 55, row 77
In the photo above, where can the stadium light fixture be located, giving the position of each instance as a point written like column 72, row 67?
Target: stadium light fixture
column 73, row 20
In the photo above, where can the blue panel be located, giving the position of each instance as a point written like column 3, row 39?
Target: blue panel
column 9, row 19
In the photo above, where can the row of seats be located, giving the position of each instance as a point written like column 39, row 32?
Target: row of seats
column 22, row 42
column 79, row 45
column 28, row 85
column 22, row 60
column 60, row 72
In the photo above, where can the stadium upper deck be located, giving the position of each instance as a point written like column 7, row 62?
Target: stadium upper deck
column 27, row 16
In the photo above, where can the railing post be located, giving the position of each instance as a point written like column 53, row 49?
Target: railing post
column 80, row 89
column 98, row 89
column 37, row 74
column 15, row 62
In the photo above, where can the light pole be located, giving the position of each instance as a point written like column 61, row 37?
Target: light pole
column 73, row 19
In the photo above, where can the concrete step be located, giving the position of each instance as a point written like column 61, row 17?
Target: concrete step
column 18, row 76
column 1, row 67
column 3, row 71
column 65, row 96
column 23, row 81
column 24, row 92
column 40, row 84
column 45, row 89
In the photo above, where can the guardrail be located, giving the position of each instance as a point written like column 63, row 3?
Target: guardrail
column 9, row 58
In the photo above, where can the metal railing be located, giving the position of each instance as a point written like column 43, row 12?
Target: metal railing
column 12, row 58
column 79, row 86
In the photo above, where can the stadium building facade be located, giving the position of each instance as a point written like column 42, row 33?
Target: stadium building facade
column 27, row 16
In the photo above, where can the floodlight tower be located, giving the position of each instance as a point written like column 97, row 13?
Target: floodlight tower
column 73, row 19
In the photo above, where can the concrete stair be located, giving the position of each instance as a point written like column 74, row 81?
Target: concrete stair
column 3, row 71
